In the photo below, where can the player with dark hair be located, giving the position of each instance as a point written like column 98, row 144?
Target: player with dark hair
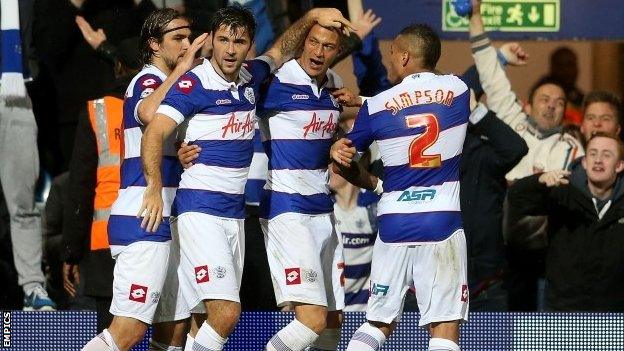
column 218, row 99
column 419, row 126
column 145, row 287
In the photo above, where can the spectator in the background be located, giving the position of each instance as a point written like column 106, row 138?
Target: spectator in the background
column 601, row 113
column 584, row 267
column 539, row 123
column 564, row 71
column 19, row 170
column 77, row 72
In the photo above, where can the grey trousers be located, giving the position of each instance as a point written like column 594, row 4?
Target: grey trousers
column 19, row 170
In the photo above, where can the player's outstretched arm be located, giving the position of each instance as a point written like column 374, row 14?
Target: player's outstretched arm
column 151, row 156
column 148, row 106
column 289, row 43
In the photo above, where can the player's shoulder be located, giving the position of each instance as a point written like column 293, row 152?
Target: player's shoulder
column 452, row 82
column 146, row 81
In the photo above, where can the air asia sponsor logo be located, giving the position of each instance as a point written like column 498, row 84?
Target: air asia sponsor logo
column 201, row 274
column 293, row 276
column 249, row 94
column 464, row 295
column 138, row 293
column 418, row 195
column 238, row 126
column 185, row 84
column 219, row 272
column 300, row 96
column 379, row 289
column 317, row 125
column 223, row 102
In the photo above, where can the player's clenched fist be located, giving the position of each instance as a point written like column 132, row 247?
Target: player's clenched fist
column 342, row 152
column 152, row 208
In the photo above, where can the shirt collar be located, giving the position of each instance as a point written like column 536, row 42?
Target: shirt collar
column 299, row 72
column 419, row 75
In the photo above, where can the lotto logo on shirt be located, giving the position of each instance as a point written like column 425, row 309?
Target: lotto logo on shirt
column 138, row 293
column 186, row 84
column 464, row 295
column 201, row 274
column 293, row 276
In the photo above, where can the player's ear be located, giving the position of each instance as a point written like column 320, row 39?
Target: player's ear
column 405, row 58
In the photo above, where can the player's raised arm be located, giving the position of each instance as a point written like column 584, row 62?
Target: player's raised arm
column 151, row 155
column 287, row 45
column 148, row 106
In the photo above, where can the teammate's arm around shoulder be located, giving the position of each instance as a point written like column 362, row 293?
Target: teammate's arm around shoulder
column 288, row 44
column 148, row 106
column 155, row 134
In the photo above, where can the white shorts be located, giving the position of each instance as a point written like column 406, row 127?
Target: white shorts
column 437, row 271
column 145, row 284
column 211, row 264
column 305, row 258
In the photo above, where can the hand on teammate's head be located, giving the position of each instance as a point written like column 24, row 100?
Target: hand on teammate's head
column 332, row 18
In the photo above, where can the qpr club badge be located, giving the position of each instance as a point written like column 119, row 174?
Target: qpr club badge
column 249, row 94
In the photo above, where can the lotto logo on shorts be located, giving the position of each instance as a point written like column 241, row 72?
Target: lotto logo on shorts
column 138, row 293
column 464, row 295
column 201, row 274
column 293, row 276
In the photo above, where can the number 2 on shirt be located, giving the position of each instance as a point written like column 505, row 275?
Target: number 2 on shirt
column 423, row 141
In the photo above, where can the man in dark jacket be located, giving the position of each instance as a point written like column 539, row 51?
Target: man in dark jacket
column 585, row 209
column 491, row 149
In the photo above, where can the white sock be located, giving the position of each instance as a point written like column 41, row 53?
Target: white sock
column 327, row 341
column 295, row 336
column 102, row 342
column 188, row 346
column 159, row 346
column 208, row 338
column 439, row 344
column 366, row 338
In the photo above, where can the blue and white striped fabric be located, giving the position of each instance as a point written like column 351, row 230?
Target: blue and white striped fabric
column 12, row 78
column 297, row 120
column 257, row 172
column 221, row 118
column 124, row 227
column 358, row 227
column 419, row 126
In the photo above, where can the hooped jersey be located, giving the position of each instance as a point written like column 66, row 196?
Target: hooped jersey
column 297, row 120
column 420, row 126
column 221, row 118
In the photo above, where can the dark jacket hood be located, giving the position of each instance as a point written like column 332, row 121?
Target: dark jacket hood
column 578, row 179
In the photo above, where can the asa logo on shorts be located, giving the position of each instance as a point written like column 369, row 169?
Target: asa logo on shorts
column 379, row 289
column 138, row 293
column 201, row 274
column 293, row 276
column 464, row 295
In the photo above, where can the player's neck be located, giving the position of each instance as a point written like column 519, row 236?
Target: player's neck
column 346, row 196
column 228, row 77
column 414, row 70
column 161, row 65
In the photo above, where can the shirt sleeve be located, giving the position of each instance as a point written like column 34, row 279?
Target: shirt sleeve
column 361, row 135
column 183, row 100
column 142, row 88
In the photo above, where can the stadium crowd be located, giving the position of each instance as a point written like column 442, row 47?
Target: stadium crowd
column 542, row 197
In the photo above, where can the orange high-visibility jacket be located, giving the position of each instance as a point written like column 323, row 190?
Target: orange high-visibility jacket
column 106, row 117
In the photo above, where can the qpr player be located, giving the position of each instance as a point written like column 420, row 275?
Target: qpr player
column 145, row 284
column 218, row 98
column 419, row 126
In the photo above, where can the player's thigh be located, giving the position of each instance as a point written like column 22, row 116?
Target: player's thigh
column 332, row 260
column 440, row 280
column 390, row 278
column 172, row 306
column 294, row 255
column 209, row 262
column 139, row 276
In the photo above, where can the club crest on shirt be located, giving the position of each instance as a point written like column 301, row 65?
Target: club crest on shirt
column 249, row 94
